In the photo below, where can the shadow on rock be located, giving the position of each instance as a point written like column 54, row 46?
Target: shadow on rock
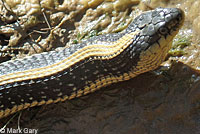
column 150, row 103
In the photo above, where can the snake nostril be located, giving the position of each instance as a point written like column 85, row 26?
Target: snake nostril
column 180, row 17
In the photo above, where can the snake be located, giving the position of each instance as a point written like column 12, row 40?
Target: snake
column 83, row 68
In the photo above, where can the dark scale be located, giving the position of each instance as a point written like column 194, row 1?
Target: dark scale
column 74, row 78
column 105, row 38
column 86, row 71
column 49, row 58
column 59, row 85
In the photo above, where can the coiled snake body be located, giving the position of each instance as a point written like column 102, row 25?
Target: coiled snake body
column 56, row 76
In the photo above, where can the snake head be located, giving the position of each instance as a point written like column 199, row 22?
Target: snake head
column 157, row 28
column 161, row 23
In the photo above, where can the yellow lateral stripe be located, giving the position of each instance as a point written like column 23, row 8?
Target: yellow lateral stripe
column 102, row 82
column 108, row 52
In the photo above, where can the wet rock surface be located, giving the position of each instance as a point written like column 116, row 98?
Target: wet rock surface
column 156, row 102
column 149, row 103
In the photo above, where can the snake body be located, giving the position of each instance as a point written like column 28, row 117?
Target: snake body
column 82, row 68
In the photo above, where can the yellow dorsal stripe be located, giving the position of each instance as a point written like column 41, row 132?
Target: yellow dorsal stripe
column 106, row 51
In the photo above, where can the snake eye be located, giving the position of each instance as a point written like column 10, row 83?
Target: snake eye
column 163, row 30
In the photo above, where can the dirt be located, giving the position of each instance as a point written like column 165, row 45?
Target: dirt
column 158, row 102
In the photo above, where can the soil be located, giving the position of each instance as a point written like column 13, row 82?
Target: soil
column 163, row 101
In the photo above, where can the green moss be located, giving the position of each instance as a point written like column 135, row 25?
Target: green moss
column 179, row 44
column 86, row 35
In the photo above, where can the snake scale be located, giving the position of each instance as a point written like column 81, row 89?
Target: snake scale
column 82, row 68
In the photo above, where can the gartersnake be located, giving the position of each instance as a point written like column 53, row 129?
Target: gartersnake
column 56, row 76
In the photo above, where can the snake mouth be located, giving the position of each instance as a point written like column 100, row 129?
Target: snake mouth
column 159, row 34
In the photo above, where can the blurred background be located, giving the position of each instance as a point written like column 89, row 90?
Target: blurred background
column 163, row 101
